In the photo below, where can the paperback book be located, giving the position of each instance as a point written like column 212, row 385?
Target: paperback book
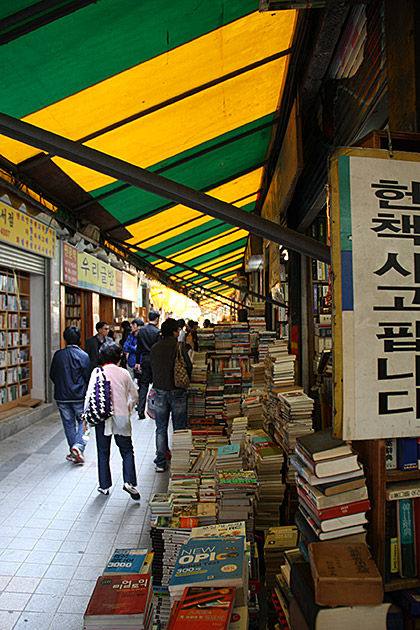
column 126, row 561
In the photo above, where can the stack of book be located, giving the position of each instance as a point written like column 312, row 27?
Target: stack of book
column 161, row 504
column 184, row 488
column 279, row 366
column 237, row 492
column 238, row 430
column 209, row 605
column 167, row 536
column 258, row 375
column 205, row 461
column 328, row 474
column 206, row 513
column 197, row 388
column 232, row 393
column 252, row 408
column 278, row 540
column 268, row 464
column 217, row 560
column 205, row 339
column 181, row 447
column 214, row 395
column 121, row 601
column 207, row 491
column 229, row 457
column 266, row 338
column 240, row 338
column 223, row 337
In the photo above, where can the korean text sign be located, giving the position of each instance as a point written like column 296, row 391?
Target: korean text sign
column 23, row 231
column 375, row 212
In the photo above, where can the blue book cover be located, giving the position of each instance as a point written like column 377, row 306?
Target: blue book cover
column 228, row 449
column 407, row 453
column 126, row 561
column 213, row 561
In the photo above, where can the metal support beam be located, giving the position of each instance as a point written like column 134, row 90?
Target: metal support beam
column 159, row 185
column 203, row 274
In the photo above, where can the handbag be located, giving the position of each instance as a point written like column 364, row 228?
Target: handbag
column 181, row 378
column 99, row 406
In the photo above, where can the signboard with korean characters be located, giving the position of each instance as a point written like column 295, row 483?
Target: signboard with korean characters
column 21, row 230
column 87, row 272
column 375, row 241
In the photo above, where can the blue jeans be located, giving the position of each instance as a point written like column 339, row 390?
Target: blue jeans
column 175, row 401
column 103, row 447
column 70, row 415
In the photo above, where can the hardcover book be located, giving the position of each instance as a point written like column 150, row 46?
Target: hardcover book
column 403, row 490
column 345, row 575
column 406, row 539
column 119, row 598
column 305, row 472
column 324, row 502
column 126, row 561
column 328, row 467
column 407, row 453
column 336, row 511
column 321, row 445
column 204, row 608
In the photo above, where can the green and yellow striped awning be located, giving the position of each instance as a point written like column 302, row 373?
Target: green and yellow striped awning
column 187, row 89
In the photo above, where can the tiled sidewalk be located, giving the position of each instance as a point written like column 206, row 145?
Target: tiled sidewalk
column 56, row 530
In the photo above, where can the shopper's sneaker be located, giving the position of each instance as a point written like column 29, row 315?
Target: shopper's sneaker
column 132, row 491
column 104, row 491
column 77, row 454
column 160, row 469
column 70, row 458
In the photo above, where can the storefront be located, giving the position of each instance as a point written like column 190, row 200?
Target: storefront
column 26, row 248
column 93, row 291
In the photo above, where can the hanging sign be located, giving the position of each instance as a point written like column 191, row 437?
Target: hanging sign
column 17, row 228
column 375, row 240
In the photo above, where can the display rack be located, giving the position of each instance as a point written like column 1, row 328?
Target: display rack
column 15, row 357
column 372, row 455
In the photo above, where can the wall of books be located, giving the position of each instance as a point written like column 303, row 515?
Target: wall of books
column 15, row 356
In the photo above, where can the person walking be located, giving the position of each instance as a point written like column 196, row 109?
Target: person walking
column 147, row 336
column 168, row 398
column 126, row 330
column 124, row 396
column 93, row 344
column 130, row 347
column 70, row 372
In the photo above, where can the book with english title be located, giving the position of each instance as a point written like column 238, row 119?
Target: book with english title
column 126, row 561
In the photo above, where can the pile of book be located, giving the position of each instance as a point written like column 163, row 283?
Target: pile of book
column 238, row 430
column 268, row 463
column 266, row 338
column 223, row 337
column 232, row 393
column 294, row 420
column 184, row 488
column 331, row 486
column 237, row 491
column 331, row 591
column 214, row 395
column 181, row 447
column 205, row 339
column 252, row 408
column 161, row 504
column 258, row 375
column 229, row 457
column 240, row 338
column 122, row 596
column 168, row 535
column 278, row 540
column 279, row 366
column 197, row 389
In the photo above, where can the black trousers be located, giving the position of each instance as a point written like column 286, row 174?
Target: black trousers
column 144, row 382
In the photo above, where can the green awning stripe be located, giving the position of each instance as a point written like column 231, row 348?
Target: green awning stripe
column 103, row 43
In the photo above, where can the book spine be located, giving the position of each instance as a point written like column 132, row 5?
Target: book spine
column 407, row 453
column 336, row 511
column 406, row 538
column 391, row 541
column 416, row 509
column 391, row 453
column 396, row 495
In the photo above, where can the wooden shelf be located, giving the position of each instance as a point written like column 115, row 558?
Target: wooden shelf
column 401, row 475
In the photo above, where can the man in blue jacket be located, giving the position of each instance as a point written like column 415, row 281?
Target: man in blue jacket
column 70, row 372
column 130, row 347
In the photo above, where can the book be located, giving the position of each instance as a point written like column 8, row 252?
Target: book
column 117, row 599
column 391, row 540
column 328, row 535
column 407, row 453
column 321, row 445
column 239, row 618
column 391, row 453
column 340, row 522
column 335, row 511
column 345, row 574
column 204, row 607
column 126, row 561
column 406, row 539
column 219, row 560
column 409, row 600
column 323, row 502
column 306, row 613
column 328, row 467
column 403, row 490
column 224, row 530
column 337, row 487
column 304, row 471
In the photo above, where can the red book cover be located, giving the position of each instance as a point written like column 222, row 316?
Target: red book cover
column 204, row 608
column 120, row 595
column 337, row 510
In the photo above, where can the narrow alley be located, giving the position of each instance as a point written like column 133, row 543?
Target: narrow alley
column 56, row 531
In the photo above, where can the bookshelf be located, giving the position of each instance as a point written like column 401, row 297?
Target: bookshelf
column 74, row 310
column 372, row 455
column 15, row 357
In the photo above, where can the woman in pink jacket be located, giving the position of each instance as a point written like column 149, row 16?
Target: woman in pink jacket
column 124, row 397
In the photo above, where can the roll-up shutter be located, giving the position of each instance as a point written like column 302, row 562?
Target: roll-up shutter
column 15, row 258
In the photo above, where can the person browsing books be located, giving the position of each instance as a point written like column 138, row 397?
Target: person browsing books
column 124, row 397
column 168, row 398
column 147, row 336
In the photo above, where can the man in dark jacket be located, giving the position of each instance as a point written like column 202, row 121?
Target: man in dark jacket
column 146, row 338
column 70, row 373
column 168, row 398
column 93, row 344
column 130, row 346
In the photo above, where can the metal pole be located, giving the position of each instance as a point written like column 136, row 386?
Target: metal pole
column 162, row 186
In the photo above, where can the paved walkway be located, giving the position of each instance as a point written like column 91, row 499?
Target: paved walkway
column 56, row 531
